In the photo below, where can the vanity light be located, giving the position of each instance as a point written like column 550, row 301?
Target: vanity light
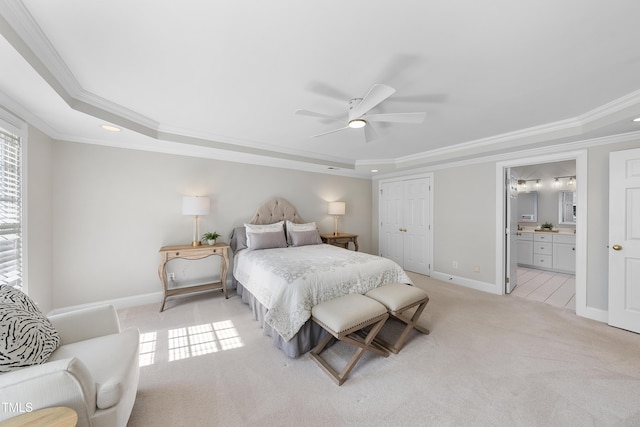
column 571, row 179
column 637, row 119
column 374, row 170
column 523, row 183
column 111, row 128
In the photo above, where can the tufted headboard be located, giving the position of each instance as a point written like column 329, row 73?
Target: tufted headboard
column 274, row 210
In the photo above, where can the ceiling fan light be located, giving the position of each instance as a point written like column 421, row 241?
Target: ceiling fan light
column 357, row 123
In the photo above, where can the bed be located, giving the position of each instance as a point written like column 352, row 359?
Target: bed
column 281, row 269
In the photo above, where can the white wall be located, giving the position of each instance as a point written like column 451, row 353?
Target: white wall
column 114, row 208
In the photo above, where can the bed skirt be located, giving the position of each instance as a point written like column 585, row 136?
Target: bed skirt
column 307, row 337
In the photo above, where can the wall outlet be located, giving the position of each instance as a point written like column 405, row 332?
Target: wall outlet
column 455, row 264
column 476, row 268
column 171, row 276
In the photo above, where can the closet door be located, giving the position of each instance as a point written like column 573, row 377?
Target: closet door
column 416, row 227
column 391, row 244
column 404, row 223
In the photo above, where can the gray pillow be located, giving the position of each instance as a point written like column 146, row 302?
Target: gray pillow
column 303, row 238
column 238, row 239
column 266, row 240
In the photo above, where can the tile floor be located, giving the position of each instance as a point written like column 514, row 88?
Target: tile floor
column 556, row 289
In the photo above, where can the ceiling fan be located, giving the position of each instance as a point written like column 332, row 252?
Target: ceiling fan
column 358, row 117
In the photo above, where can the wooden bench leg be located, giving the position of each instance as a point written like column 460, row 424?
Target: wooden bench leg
column 410, row 323
column 367, row 344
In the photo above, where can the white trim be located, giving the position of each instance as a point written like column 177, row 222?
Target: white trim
column 581, row 158
column 532, row 152
column 118, row 303
column 19, row 128
column 467, row 283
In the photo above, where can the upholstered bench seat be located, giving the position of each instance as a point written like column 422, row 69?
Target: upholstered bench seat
column 343, row 316
column 398, row 298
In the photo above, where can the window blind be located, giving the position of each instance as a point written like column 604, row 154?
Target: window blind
column 10, row 210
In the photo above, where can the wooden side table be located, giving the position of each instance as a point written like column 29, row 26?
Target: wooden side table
column 193, row 253
column 58, row 416
column 341, row 239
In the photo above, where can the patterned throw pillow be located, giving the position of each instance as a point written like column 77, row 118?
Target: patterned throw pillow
column 27, row 337
column 13, row 296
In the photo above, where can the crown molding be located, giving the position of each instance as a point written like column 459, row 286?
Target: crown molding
column 22, row 31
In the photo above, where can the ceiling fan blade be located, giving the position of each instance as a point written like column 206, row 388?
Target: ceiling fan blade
column 327, row 90
column 396, row 117
column 331, row 131
column 308, row 113
column 370, row 134
column 375, row 96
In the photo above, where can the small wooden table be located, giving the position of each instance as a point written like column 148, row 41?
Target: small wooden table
column 58, row 416
column 341, row 239
column 190, row 252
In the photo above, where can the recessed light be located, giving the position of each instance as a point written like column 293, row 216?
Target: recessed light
column 110, row 128
column 374, row 170
column 637, row 119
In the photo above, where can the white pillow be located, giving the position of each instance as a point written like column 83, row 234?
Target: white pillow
column 291, row 226
column 262, row 228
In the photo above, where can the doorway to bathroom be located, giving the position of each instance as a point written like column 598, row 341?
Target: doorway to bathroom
column 542, row 228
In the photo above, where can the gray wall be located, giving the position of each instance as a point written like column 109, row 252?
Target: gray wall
column 464, row 223
column 39, row 217
column 114, row 208
column 98, row 215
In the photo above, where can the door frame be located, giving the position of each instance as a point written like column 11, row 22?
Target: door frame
column 580, row 158
column 428, row 175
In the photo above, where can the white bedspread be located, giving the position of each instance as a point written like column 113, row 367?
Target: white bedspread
column 289, row 281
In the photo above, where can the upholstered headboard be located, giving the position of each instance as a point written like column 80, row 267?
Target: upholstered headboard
column 274, row 210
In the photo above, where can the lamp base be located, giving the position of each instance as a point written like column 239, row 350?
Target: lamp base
column 195, row 243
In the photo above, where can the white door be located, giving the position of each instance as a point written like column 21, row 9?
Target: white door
column 391, row 245
column 404, row 223
column 511, row 231
column 624, row 239
column 416, row 227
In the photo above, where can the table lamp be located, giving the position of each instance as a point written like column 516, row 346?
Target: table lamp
column 336, row 209
column 195, row 205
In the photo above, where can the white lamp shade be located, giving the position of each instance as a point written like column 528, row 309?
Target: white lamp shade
column 195, row 205
column 336, row 208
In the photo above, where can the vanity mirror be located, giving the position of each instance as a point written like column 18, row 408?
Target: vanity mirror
column 567, row 207
column 528, row 207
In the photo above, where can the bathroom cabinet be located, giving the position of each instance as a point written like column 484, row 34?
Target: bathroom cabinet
column 547, row 251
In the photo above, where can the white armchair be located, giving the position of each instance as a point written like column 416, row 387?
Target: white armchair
column 95, row 371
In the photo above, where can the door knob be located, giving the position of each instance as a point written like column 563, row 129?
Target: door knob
column 616, row 247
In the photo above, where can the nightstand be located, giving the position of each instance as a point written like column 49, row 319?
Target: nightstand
column 341, row 239
column 192, row 253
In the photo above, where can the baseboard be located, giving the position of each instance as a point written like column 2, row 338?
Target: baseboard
column 594, row 314
column 118, row 303
column 468, row 283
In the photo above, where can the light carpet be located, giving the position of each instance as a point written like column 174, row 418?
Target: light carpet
column 489, row 361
